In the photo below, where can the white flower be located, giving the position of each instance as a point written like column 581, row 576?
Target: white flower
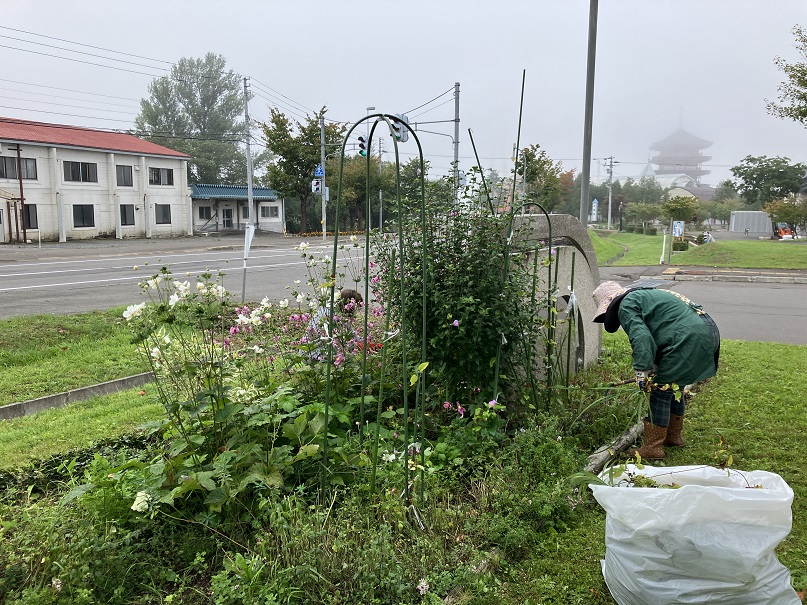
column 300, row 298
column 353, row 239
column 296, row 282
column 257, row 350
column 56, row 583
column 174, row 299
column 133, row 311
column 312, row 304
column 303, row 246
column 155, row 352
column 283, row 303
column 153, row 283
column 388, row 456
column 141, row 502
column 200, row 286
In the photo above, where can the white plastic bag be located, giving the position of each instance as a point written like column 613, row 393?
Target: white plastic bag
column 711, row 540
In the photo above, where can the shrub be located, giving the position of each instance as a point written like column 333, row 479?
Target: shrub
column 630, row 228
column 650, row 230
column 680, row 246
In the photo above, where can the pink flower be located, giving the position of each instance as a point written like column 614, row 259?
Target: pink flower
column 234, row 330
column 447, row 405
column 461, row 411
column 492, row 403
column 456, row 323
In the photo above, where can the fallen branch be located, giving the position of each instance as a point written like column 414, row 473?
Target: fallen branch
column 606, row 453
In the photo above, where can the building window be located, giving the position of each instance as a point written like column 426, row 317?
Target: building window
column 83, row 215
column 161, row 176
column 270, row 212
column 245, row 212
column 29, row 218
column 124, row 174
column 81, row 172
column 8, row 168
column 205, row 212
column 162, row 214
column 126, row 214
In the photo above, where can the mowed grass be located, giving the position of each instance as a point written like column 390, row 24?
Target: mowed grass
column 23, row 441
column 46, row 354
column 737, row 254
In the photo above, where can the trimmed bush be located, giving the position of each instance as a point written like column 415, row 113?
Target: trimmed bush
column 650, row 230
column 680, row 246
column 630, row 228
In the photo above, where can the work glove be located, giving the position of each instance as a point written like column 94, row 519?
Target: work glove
column 643, row 379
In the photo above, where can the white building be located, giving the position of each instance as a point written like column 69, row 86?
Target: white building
column 64, row 182
column 223, row 208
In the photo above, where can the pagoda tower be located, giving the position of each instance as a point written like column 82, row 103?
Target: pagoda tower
column 680, row 153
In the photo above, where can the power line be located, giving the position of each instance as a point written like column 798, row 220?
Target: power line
column 53, row 96
column 433, row 108
column 57, row 113
column 22, row 31
column 82, row 92
column 36, row 52
column 66, row 105
column 82, row 52
column 270, row 91
column 427, row 102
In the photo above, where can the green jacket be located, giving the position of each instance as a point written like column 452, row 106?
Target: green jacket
column 667, row 331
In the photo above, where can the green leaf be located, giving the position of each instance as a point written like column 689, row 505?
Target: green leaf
column 306, row 451
column 76, row 492
column 422, row 366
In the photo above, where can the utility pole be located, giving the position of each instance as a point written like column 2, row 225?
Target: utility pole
column 589, row 110
column 249, row 231
column 322, row 163
column 610, row 186
column 456, row 135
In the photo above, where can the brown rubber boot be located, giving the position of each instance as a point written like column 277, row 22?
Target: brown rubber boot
column 674, row 431
column 653, row 446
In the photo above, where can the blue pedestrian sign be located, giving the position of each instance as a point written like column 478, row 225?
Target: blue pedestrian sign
column 319, row 172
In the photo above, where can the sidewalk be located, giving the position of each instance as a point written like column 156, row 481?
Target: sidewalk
column 162, row 245
column 675, row 273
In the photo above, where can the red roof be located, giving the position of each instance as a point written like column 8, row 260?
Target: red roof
column 12, row 129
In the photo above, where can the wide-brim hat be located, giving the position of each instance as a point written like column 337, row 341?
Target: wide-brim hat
column 604, row 295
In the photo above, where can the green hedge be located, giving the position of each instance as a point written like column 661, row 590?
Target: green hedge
column 680, row 246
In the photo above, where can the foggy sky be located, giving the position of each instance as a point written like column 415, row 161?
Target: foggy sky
column 704, row 65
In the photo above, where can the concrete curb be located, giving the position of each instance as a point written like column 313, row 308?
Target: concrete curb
column 24, row 408
column 761, row 279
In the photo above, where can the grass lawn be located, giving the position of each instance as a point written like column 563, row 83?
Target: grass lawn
column 25, row 440
column 755, row 403
column 739, row 254
column 46, row 354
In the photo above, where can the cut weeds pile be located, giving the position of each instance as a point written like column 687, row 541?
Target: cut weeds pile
column 502, row 527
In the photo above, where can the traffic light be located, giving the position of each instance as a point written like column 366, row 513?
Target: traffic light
column 362, row 146
column 399, row 130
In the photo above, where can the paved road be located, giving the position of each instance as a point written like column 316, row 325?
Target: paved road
column 81, row 276
column 71, row 277
column 760, row 306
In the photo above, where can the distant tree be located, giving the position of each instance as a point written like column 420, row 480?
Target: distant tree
column 725, row 190
column 198, row 109
column 761, row 180
column 680, row 208
column 793, row 92
column 647, row 190
column 641, row 212
column 791, row 210
column 542, row 176
column 296, row 152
